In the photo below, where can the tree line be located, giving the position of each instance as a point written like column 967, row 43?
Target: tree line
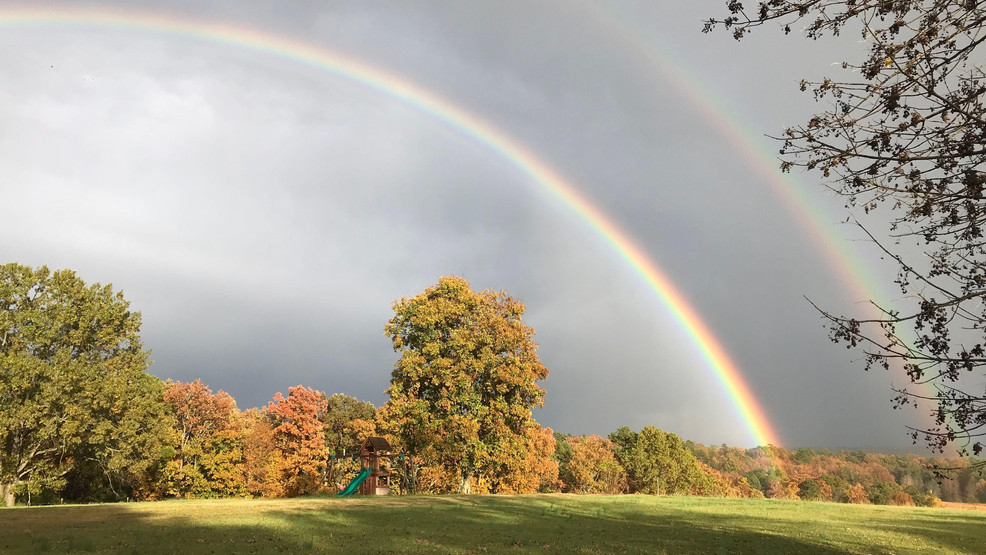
column 81, row 419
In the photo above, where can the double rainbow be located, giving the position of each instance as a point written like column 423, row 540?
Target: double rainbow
column 460, row 119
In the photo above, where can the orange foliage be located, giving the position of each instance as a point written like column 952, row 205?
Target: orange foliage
column 783, row 489
column 858, row 495
column 436, row 479
column 261, row 460
column 593, row 467
column 722, row 484
column 299, row 435
column 197, row 411
column 825, row 490
column 533, row 469
column 901, row 498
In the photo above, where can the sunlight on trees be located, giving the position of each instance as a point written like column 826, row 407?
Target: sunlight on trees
column 462, row 391
column 75, row 398
column 82, row 420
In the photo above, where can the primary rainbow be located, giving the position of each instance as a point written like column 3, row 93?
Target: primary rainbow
column 469, row 124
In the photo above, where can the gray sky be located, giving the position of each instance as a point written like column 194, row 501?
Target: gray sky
column 264, row 214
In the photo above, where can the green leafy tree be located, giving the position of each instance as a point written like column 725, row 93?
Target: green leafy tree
column 462, row 392
column 922, row 498
column 839, row 486
column 348, row 422
column 881, row 493
column 756, row 478
column 810, row 490
column 75, row 398
column 656, row 462
column 903, row 140
column 342, row 417
column 563, row 455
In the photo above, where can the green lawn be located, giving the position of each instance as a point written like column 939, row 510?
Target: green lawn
column 490, row 524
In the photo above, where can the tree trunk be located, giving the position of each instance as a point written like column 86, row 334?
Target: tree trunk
column 7, row 494
column 464, row 485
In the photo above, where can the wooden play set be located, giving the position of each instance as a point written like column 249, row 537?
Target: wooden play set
column 374, row 476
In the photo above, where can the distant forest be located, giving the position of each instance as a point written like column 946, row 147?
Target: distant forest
column 212, row 449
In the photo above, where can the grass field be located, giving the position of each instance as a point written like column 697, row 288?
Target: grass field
column 491, row 524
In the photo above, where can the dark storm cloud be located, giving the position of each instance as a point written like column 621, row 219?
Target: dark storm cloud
column 263, row 215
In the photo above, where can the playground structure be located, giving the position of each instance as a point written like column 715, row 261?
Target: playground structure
column 374, row 476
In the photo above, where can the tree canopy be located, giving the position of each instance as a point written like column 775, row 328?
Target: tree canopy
column 903, row 140
column 299, row 435
column 656, row 462
column 207, row 438
column 462, row 392
column 348, row 422
column 75, row 397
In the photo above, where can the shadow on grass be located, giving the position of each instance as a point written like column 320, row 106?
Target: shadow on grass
column 432, row 525
column 961, row 532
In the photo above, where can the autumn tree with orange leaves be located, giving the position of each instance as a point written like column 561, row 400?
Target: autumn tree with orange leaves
column 592, row 467
column 299, row 436
column 261, row 459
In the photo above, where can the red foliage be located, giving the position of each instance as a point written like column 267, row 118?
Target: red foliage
column 198, row 412
column 207, row 441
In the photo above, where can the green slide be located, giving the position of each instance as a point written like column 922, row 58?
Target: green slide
column 356, row 482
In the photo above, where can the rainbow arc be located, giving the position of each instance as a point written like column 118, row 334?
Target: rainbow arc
column 471, row 125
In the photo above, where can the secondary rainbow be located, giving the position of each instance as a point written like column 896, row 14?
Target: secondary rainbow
column 469, row 124
column 843, row 261
column 752, row 148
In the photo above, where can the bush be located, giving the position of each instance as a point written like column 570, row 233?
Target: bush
column 857, row 495
column 882, row 492
column 901, row 499
column 810, row 490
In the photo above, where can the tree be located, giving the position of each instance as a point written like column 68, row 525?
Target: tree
column 462, row 392
column 530, row 468
column 857, row 495
column 881, row 493
column 905, row 141
column 901, row 499
column 75, row 397
column 717, row 483
column 262, row 463
column 208, row 442
column 656, row 462
column 348, row 422
column 592, row 467
column 810, row 490
column 299, row 436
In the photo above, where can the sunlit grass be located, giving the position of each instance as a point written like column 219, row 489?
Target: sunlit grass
column 521, row 524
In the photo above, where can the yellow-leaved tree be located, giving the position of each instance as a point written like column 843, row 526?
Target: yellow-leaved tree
column 462, row 392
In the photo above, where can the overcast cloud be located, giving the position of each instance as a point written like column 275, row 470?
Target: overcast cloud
column 263, row 214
